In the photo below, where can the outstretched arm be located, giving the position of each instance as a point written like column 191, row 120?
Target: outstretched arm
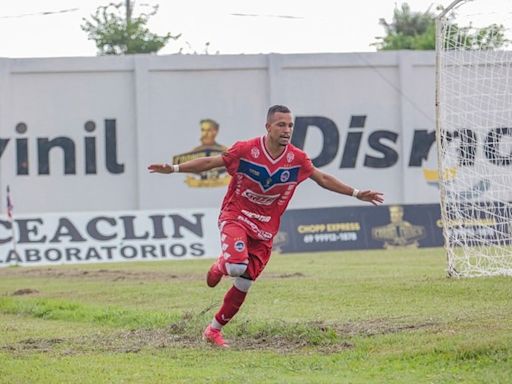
column 333, row 184
column 200, row 164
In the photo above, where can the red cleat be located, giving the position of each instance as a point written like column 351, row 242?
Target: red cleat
column 214, row 275
column 214, row 336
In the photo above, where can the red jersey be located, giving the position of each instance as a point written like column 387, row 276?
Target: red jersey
column 261, row 186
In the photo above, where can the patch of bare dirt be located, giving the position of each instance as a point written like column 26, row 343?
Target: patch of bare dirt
column 104, row 274
column 282, row 344
column 379, row 327
column 134, row 341
column 25, row 291
column 118, row 274
column 32, row 345
column 284, row 275
column 187, row 333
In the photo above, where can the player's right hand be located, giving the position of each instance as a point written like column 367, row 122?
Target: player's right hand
column 373, row 197
column 160, row 168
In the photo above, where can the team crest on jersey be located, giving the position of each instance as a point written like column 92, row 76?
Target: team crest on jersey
column 285, row 176
column 255, row 152
column 239, row 246
column 289, row 157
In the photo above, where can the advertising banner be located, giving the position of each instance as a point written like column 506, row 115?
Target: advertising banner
column 483, row 224
column 349, row 228
column 77, row 238
column 94, row 237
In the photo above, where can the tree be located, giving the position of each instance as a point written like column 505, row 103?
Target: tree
column 417, row 31
column 487, row 38
column 117, row 33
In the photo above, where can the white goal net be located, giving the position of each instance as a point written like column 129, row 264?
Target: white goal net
column 474, row 135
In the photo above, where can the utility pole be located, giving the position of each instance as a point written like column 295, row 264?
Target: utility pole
column 128, row 12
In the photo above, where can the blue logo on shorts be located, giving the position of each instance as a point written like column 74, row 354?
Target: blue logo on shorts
column 239, row 246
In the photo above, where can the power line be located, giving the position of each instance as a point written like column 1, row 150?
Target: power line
column 42, row 13
column 258, row 15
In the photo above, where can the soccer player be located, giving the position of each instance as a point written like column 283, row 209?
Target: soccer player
column 265, row 172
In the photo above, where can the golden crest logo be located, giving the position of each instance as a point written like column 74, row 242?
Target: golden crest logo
column 469, row 191
column 398, row 233
column 431, row 175
column 216, row 177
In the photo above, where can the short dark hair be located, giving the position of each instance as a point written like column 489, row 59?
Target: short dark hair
column 212, row 122
column 275, row 109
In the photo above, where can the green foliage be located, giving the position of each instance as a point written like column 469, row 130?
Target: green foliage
column 408, row 30
column 487, row 38
column 116, row 34
column 417, row 31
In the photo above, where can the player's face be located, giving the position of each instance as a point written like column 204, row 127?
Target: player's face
column 280, row 128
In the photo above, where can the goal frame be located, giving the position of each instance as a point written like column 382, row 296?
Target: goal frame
column 439, row 45
column 451, row 254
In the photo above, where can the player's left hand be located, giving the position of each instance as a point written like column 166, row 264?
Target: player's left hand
column 373, row 197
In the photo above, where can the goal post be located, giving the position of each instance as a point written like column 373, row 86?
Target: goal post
column 474, row 135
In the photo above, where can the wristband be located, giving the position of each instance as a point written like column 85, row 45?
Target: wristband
column 175, row 168
column 355, row 192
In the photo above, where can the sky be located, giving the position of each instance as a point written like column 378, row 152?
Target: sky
column 35, row 28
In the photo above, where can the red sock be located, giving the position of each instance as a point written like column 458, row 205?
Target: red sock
column 232, row 302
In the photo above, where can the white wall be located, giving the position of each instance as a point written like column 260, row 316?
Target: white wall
column 157, row 102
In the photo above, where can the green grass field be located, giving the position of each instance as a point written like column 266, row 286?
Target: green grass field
column 350, row 317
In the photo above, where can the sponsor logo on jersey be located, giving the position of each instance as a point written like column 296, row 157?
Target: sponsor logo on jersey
column 260, row 199
column 255, row 172
column 264, row 235
column 252, row 215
